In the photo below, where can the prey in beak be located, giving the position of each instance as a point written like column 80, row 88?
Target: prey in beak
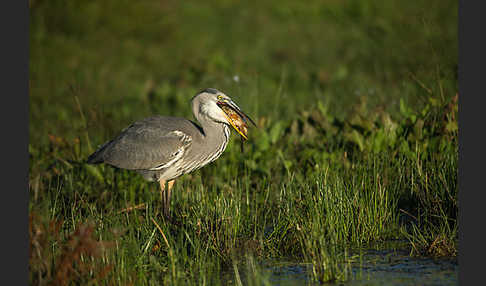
column 237, row 118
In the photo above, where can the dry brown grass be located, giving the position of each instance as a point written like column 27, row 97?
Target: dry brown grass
column 54, row 260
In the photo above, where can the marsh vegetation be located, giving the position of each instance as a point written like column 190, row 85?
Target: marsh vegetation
column 357, row 140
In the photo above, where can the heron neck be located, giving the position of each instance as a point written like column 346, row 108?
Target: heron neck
column 215, row 138
column 214, row 132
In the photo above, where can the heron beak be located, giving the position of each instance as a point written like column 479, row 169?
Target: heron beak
column 236, row 117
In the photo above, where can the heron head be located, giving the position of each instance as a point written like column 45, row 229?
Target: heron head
column 218, row 107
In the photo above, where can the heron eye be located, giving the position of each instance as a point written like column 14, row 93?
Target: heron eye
column 220, row 97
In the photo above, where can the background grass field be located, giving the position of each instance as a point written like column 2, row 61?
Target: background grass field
column 356, row 103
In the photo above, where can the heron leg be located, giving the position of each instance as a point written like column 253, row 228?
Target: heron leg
column 165, row 192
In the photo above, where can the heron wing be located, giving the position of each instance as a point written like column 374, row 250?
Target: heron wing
column 151, row 144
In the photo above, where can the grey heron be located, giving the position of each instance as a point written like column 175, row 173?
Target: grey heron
column 163, row 148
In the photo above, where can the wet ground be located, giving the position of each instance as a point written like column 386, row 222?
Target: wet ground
column 377, row 267
column 398, row 268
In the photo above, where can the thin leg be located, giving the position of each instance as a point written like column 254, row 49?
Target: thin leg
column 162, row 188
column 165, row 195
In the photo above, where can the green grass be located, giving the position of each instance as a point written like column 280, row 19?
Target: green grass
column 356, row 103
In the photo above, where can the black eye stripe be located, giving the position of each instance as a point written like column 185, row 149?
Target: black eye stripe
column 211, row 90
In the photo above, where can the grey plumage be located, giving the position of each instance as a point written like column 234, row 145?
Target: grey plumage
column 163, row 148
column 148, row 144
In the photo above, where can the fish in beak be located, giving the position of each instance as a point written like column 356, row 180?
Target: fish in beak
column 237, row 118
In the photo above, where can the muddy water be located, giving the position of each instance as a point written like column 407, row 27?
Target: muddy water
column 377, row 267
column 398, row 268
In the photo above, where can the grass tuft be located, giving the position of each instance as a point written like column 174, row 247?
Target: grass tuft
column 79, row 259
